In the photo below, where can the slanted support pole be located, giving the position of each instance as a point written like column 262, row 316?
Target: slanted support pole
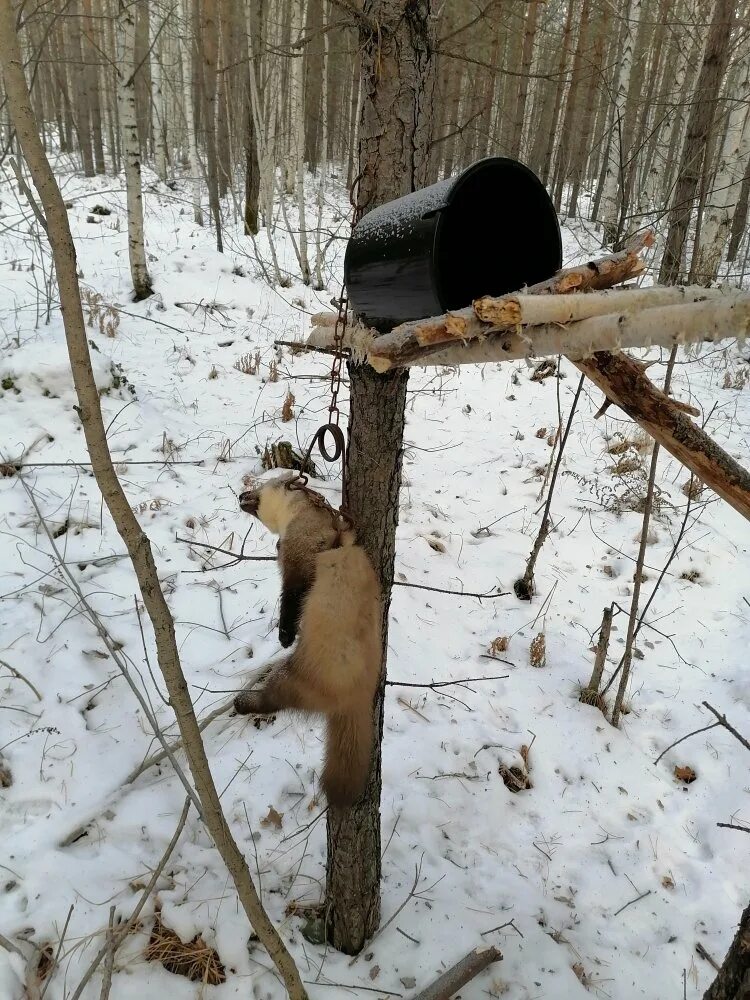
column 622, row 380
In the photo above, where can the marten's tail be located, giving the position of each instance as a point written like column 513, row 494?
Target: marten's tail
column 347, row 764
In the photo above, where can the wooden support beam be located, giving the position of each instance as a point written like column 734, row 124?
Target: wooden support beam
column 716, row 319
column 622, row 380
column 409, row 342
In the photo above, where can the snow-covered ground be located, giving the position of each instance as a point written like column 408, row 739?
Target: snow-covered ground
column 601, row 824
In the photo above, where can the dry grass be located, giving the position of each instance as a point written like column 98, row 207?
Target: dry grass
column 588, row 696
column 194, row 960
column 693, row 488
column 287, row 410
column 737, row 379
column 626, row 464
column 273, row 371
column 538, row 651
column 499, row 645
column 248, row 364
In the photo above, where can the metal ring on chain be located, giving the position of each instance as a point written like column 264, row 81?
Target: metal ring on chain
column 338, row 441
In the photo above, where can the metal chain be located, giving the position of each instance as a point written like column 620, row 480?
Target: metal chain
column 333, row 427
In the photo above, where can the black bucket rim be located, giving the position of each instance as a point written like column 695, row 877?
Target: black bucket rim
column 458, row 183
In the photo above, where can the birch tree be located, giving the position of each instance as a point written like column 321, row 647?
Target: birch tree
column 715, row 58
column 131, row 152
column 717, row 222
column 616, row 153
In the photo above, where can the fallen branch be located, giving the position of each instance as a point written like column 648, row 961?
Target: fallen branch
column 621, row 380
column 460, row 974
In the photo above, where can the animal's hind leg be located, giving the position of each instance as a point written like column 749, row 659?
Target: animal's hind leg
column 282, row 690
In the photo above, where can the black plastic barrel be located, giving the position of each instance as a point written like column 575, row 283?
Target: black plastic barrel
column 492, row 229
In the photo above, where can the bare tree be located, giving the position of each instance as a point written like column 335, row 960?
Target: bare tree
column 397, row 82
column 126, row 70
column 136, row 542
column 702, row 116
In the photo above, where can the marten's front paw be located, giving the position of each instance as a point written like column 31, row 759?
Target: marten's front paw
column 286, row 636
column 247, row 703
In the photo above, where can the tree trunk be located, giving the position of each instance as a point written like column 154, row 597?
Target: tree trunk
column 571, row 106
column 615, row 171
column 722, row 203
column 135, row 540
column 397, row 82
column 523, row 87
column 80, row 90
column 702, row 119
column 740, row 216
column 186, row 46
column 546, row 164
column 157, row 89
column 252, row 159
column 733, row 979
column 210, row 49
column 92, row 58
column 131, row 148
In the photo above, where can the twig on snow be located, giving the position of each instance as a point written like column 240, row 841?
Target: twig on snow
column 115, row 940
column 460, row 974
column 636, row 900
column 723, row 722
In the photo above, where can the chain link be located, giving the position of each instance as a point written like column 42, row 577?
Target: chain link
column 340, row 354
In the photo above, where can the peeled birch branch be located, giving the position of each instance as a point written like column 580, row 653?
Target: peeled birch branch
column 615, row 321
column 716, row 319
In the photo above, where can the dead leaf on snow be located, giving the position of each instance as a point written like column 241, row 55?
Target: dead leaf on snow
column 273, row 819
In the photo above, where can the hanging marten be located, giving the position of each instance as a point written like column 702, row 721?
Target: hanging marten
column 330, row 595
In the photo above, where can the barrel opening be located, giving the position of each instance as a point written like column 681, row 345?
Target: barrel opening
column 498, row 233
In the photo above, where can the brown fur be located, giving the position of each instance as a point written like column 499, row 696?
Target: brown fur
column 333, row 600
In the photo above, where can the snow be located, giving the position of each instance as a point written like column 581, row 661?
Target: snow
column 601, row 825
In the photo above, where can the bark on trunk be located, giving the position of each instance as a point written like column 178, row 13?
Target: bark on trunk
column 396, row 50
column 733, row 979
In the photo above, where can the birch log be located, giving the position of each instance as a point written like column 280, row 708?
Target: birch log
column 407, row 342
column 666, row 326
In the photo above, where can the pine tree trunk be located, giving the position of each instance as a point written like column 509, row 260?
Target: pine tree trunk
column 397, row 81
column 702, row 119
column 131, row 148
column 547, row 156
column 81, row 90
column 582, row 151
column 571, row 106
column 733, row 979
column 92, row 57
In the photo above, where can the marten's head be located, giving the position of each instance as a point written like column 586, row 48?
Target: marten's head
column 272, row 503
column 276, row 506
